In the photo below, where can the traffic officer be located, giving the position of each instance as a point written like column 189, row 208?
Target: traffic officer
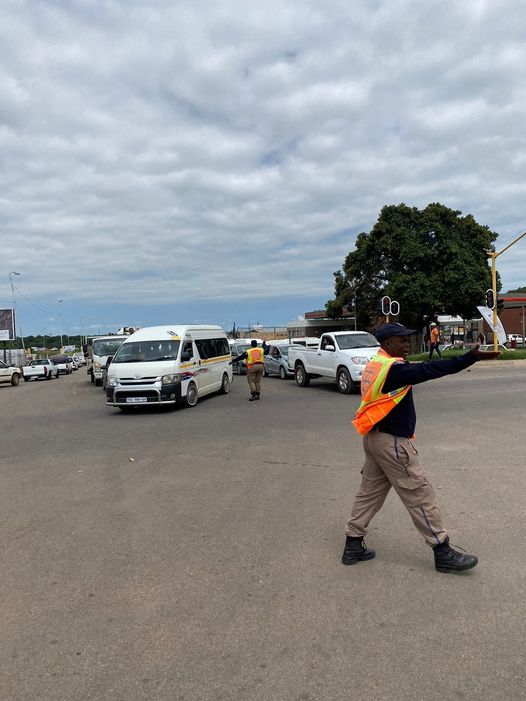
column 386, row 418
column 255, row 358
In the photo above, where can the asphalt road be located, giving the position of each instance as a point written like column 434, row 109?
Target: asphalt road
column 194, row 554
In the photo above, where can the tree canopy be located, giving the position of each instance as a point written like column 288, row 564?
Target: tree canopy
column 431, row 261
column 519, row 289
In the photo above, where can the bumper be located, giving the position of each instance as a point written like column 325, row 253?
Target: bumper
column 141, row 395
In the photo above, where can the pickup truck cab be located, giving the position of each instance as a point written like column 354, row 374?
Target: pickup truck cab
column 42, row 368
column 340, row 356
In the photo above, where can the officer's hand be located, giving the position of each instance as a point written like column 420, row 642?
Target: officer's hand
column 484, row 355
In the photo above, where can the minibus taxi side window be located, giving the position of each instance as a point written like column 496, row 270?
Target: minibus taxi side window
column 187, row 351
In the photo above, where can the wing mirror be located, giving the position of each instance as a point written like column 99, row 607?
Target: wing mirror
column 108, row 361
column 330, row 347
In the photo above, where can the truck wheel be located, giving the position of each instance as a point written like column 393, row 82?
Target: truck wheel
column 225, row 384
column 282, row 373
column 302, row 377
column 192, row 396
column 345, row 383
column 98, row 382
column 15, row 379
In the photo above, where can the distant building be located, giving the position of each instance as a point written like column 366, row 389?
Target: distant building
column 317, row 322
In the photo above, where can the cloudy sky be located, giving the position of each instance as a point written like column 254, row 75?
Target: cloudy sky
column 213, row 162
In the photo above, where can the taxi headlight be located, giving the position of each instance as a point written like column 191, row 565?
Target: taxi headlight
column 359, row 360
column 171, row 379
column 111, row 382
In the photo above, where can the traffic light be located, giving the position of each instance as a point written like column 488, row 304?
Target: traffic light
column 500, row 305
column 490, row 299
column 386, row 305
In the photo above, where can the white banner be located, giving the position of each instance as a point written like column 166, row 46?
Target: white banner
column 487, row 315
column 4, row 334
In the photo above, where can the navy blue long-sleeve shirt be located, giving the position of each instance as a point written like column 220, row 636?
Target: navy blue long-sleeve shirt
column 401, row 421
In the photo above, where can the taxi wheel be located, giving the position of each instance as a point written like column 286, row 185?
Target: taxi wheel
column 225, row 384
column 192, row 395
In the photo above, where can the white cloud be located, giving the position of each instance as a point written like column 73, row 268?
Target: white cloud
column 207, row 151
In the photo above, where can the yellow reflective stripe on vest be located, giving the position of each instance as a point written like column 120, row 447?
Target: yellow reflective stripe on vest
column 375, row 404
column 254, row 355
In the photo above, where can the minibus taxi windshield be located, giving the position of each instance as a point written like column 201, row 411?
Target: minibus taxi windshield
column 147, row 351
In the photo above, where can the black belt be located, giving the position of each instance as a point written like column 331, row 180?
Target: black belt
column 379, row 429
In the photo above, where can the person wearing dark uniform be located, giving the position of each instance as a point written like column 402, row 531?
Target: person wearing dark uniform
column 386, row 418
column 255, row 358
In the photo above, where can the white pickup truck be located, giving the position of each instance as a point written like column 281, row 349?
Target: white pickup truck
column 40, row 369
column 340, row 356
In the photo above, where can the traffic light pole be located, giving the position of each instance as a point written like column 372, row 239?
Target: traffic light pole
column 494, row 255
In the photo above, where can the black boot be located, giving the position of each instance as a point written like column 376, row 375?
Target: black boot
column 252, row 396
column 355, row 550
column 257, row 396
column 449, row 560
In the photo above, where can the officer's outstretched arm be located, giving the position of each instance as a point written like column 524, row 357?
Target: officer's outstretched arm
column 484, row 355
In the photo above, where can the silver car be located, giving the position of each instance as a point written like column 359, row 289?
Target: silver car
column 277, row 362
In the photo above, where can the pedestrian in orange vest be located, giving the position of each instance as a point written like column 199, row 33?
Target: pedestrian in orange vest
column 434, row 337
column 386, row 419
column 255, row 358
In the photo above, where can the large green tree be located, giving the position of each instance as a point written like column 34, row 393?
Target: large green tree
column 430, row 260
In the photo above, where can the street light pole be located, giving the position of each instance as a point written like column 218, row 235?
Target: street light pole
column 60, row 325
column 14, row 309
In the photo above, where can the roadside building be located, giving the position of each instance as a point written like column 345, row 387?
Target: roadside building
column 317, row 322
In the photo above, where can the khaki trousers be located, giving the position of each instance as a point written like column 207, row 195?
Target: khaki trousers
column 391, row 461
column 254, row 374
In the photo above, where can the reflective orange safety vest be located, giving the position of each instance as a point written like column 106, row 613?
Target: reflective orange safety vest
column 375, row 404
column 254, row 356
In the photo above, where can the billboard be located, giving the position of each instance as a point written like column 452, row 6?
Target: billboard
column 7, row 325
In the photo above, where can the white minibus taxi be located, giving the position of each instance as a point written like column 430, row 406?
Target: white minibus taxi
column 169, row 365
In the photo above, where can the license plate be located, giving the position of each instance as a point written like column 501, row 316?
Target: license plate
column 135, row 400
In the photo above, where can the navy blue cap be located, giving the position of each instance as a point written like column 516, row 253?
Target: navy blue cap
column 393, row 329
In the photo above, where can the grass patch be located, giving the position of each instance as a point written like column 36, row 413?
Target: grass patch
column 505, row 355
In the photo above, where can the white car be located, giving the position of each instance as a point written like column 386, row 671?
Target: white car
column 10, row 373
column 64, row 364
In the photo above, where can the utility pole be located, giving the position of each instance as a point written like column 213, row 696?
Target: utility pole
column 494, row 255
column 60, row 322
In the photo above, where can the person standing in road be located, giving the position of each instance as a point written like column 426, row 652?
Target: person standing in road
column 386, row 419
column 255, row 358
column 434, row 340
